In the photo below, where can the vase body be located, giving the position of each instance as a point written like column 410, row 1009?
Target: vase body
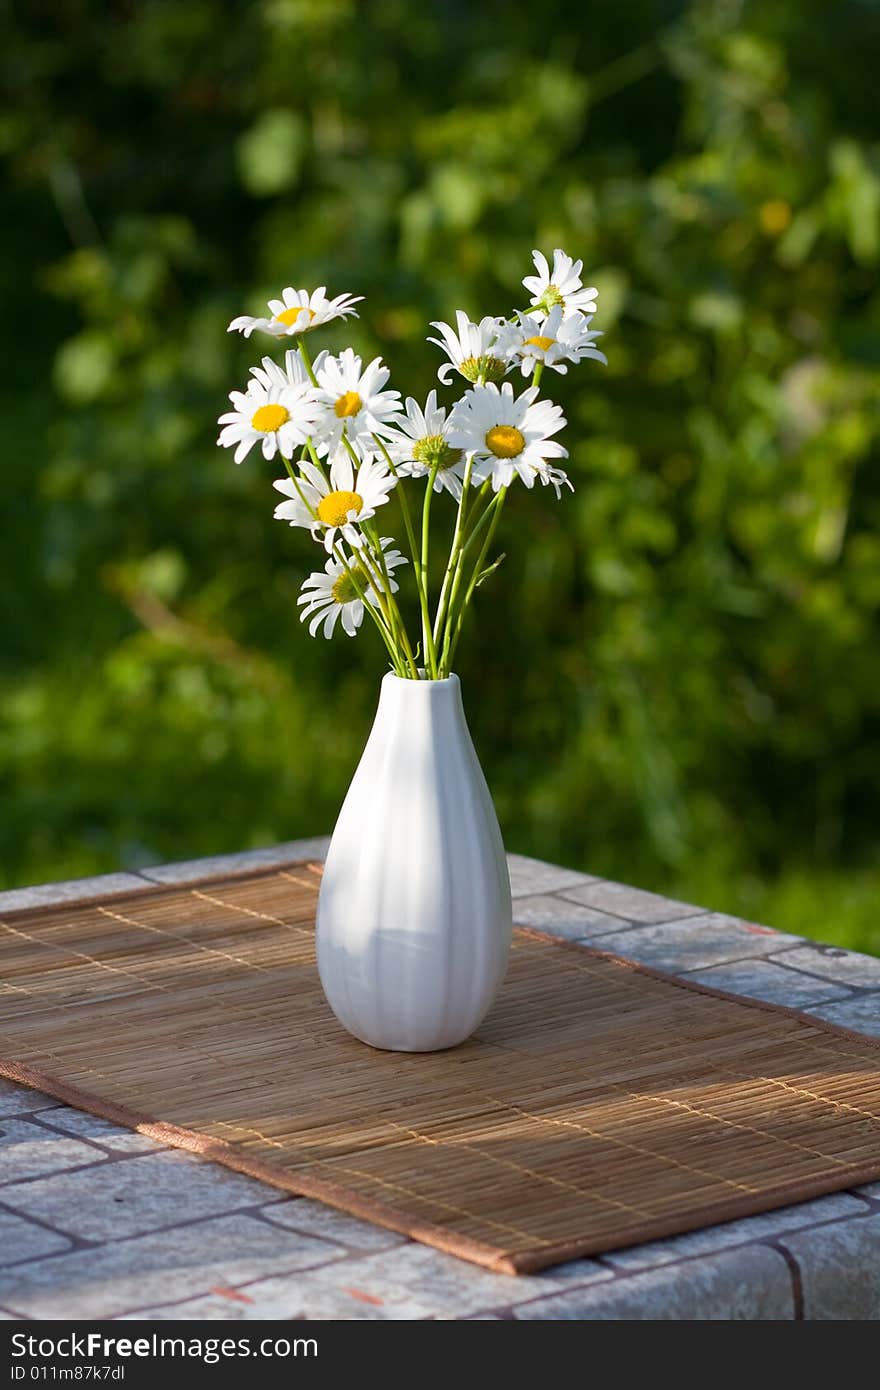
column 414, row 914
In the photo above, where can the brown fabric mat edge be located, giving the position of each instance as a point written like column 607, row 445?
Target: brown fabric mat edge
column 385, row 1214
column 379, row 1213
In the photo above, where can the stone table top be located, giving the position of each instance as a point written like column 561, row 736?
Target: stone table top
column 99, row 1222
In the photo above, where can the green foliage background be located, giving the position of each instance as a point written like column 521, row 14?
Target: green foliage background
column 675, row 679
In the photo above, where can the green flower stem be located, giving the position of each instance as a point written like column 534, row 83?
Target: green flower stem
column 455, row 615
column 495, row 507
column 374, row 566
column 452, row 564
column 404, row 507
column 295, row 480
column 384, row 592
column 452, row 580
column 427, row 633
column 454, row 553
column 387, row 636
column 351, row 450
column 452, row 611
column 390, row 604
column 316, row 461
column 415, row 552
column 485, row 517
column 307, row 361
column 450, row 608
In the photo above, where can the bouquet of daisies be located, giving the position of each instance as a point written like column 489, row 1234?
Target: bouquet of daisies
column 347, row 444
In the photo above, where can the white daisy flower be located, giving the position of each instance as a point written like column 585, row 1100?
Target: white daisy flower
column 354, row 402
column 293, row 373
column 335, row 509
column 333, row 595
column 507, row 436
column 470, row 348
column 420, row 445
column 551, row 339
column 277, row 416
column 297, row 311
column 561, row 285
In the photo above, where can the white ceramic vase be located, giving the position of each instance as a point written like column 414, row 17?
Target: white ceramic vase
column 414, row 915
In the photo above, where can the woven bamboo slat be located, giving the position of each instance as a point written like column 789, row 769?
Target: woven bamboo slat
column 601, row 1103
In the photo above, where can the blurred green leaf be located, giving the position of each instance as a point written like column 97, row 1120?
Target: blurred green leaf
column 84, row 366
column 674, row 677
column 271, row 152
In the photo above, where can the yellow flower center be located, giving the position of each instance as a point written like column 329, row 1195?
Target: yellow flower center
column 542, row 343
column 553, row 296
column 333, row 509
column 269, row 418
column 289, row 316
column 505, row 441
column 347, row 405
column 433, row 452
column 345, row 590
column 488, row 367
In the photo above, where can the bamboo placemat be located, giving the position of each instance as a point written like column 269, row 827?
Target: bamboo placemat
column 601, row 1103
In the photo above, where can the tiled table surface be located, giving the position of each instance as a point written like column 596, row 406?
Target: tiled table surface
column 98, row 1222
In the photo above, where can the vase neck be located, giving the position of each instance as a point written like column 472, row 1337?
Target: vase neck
column 420, row 701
